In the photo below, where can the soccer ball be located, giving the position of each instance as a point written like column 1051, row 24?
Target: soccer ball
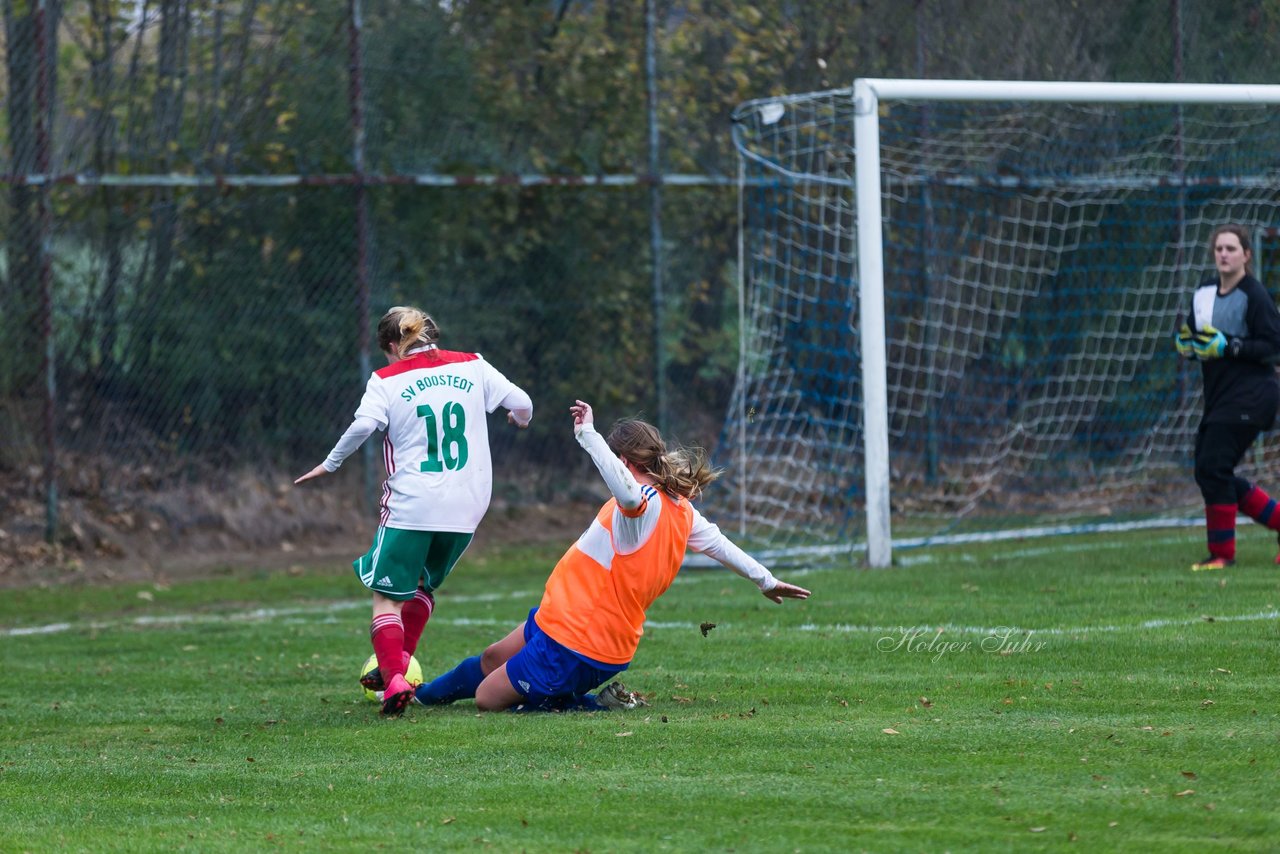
column 412, row 674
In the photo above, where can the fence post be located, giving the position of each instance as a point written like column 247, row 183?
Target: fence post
column 356, row 94
column 44, row 224
column 655, row 215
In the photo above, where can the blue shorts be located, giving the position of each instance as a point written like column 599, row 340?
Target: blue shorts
column 548, row 673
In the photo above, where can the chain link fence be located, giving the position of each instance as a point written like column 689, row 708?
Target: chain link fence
column 207, row 205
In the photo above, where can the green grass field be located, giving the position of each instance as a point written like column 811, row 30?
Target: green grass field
column 1129, row 705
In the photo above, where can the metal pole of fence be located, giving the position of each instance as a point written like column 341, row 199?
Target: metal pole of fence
column 655, row 215
column 356, row 95
column 932, row 452
column 1180, row 167
column 44, row 224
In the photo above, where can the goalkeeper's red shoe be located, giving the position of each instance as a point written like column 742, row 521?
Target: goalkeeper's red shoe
column 398, row 695
column 1211, row 563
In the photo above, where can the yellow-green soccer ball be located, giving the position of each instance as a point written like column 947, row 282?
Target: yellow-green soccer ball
column 412, row 674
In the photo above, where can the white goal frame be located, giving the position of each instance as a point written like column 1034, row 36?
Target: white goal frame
column 868, row 93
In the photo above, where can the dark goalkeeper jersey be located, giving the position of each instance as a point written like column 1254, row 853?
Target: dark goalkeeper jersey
column 1240, row 388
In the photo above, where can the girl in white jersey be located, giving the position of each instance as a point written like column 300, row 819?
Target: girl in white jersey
column 432, row 403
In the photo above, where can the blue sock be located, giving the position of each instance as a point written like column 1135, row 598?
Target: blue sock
column 543, row 703
column 587, row 703
column 458, row 684
column 565, row 703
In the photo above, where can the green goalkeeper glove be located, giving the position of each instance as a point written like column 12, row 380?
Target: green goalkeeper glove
column 1209, row 343
column 1184, row 342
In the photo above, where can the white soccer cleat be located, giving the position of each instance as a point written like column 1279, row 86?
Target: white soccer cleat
column 616, row 697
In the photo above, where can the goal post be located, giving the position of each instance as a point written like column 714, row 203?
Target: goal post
column 1012, row 202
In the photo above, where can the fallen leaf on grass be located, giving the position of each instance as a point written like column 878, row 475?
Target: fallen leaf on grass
column 623, row 734
column 890, row 731
column 706, row 627
column 1037, row 829
column 1190, row 775
column 1184, row 793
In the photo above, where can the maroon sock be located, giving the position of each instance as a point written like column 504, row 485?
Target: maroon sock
column 415, row 614
column 1220, row 528
column 387, row 634
column 1261, row 508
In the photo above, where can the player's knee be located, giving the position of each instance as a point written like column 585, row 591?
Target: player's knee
column 1211, row 478
column 492, row 658
column 486, row 703
column 1241, row 487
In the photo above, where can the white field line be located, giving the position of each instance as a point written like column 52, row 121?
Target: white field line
column 1001, row 631
column 767, row 556
column 529, row 596
column 720, row 574
column 326, row 613
column 257, row 614
column 911, row 559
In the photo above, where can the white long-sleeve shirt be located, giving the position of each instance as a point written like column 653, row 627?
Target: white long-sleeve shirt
column 433, row 405
column 631, row 532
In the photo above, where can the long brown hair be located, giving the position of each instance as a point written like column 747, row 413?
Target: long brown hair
column 1245, row 243
column 682, row 471
column 403, row 327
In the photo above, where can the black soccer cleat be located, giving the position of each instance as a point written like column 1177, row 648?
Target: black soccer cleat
column 373, row 681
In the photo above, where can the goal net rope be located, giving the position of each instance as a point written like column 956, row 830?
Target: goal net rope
column 1036, row 258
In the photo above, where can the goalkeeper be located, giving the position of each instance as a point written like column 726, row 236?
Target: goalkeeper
column 1233, row 330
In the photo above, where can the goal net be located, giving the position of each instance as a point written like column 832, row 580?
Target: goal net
column 1035, row 257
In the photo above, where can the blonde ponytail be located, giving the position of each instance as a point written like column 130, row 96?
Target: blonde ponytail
column 404, row 327
column 683, row 471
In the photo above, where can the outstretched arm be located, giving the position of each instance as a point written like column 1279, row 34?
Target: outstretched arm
column 622, row 484
column 362, row 428
column 783, row 590
column 707, row 538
